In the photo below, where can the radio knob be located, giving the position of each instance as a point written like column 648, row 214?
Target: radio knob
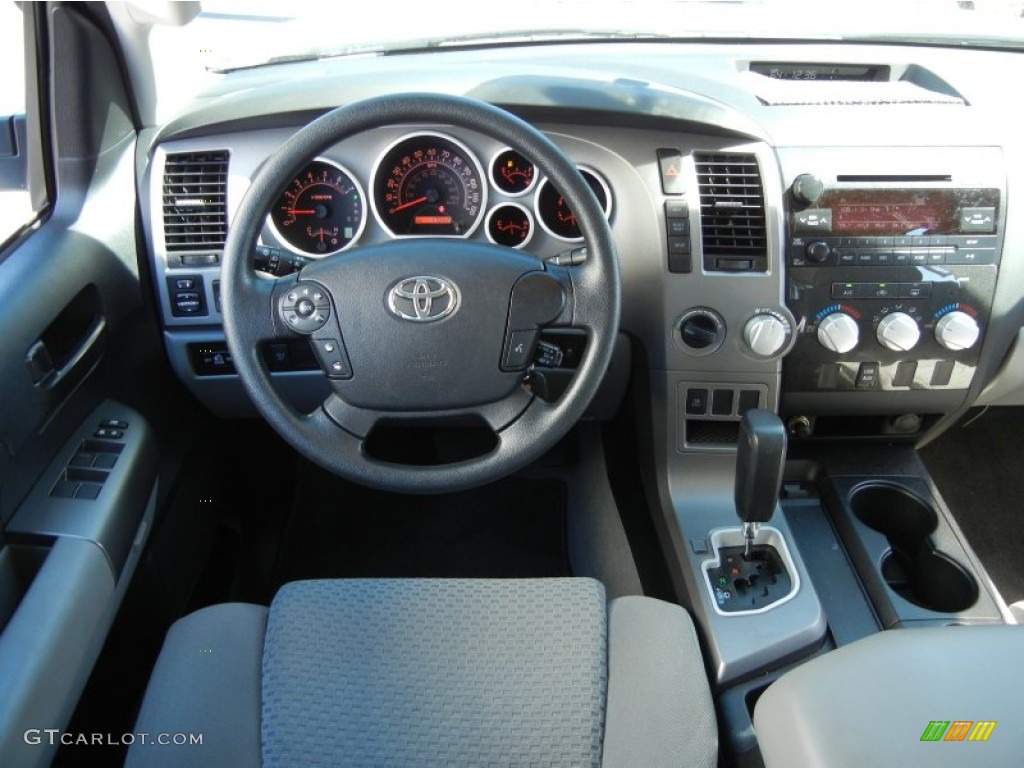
column 765, row 334
column 898, row 332
column 957, row 331
column 838, row 332
column 818, row 251
column 808, row 188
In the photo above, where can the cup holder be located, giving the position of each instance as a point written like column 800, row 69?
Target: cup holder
column 913, row 567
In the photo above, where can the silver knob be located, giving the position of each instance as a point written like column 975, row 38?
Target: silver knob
column 838, row 332
column 957, row 331
column 765, row 334
column 898, row 332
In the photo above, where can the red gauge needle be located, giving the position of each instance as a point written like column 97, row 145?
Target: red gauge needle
column 411, row 203
column 294, row 212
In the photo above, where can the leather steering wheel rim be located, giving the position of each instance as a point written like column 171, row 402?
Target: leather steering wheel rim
column 324, row 436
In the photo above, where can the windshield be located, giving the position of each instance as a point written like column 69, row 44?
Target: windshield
column 227, row 36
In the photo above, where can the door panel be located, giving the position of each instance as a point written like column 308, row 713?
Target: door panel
column 71, row 533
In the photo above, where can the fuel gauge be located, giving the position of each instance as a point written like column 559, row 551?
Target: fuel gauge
column 510, row 225
column 512, row 173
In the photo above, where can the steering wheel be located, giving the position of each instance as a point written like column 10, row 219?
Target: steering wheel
column 422, row 329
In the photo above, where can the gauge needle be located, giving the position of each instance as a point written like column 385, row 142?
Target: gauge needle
column 294, row 212
column 411, row 203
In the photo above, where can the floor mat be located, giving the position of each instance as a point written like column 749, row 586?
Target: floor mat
column 977, row 469
column 515, row 528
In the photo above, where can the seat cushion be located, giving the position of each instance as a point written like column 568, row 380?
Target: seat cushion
column 435, row 673
column 206, row 682
column 441, row 672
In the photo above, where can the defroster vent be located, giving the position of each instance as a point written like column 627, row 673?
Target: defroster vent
column 731, row 212
column 195, row 201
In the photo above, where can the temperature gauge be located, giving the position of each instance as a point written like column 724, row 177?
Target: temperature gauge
column 554, row 213
column 510, row 225
column 512, row 173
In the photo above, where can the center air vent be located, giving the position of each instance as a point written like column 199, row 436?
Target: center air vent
column 731, row 212
column 195, row 201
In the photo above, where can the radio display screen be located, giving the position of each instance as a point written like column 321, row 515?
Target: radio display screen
column 903, row 211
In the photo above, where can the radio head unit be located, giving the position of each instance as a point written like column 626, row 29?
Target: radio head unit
column 899, row 212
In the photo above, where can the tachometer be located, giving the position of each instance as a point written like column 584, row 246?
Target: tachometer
column 322, row 211
column 554, row 213
column 429, row 184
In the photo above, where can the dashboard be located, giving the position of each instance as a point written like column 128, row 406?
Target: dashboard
column 829, row 248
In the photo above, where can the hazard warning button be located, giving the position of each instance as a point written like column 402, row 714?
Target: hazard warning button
column 670, row 165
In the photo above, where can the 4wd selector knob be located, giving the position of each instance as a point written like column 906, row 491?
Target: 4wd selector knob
column 898, row 332
column 957, row 331
column 838, row 332
column 765, row 334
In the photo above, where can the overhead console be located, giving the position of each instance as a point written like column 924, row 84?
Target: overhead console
column 892, row 258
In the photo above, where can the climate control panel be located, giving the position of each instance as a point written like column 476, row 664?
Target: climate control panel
column 898, row 328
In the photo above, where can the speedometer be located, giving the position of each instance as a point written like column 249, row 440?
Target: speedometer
column 429, row 184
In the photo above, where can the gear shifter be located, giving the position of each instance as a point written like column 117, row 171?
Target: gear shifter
column 760, row 459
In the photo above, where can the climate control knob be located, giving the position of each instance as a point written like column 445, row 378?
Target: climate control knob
column 957, row 331
column 838, row 332
column 898, row 332
column 765, row 334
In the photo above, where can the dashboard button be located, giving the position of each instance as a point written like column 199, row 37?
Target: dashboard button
column 676, row 227
column 977, row 219
column 915, row 290
column 813, row 220
column 867, row 376
column 942, row 373
column 677, row 209
column 847, row 258
column 905, row 372
column 670, row 166
column 721, row 402
column 696, row 402
column 972, row 256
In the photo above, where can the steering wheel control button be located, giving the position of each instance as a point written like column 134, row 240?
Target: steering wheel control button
column 305, row 308
column 519, row 350
column 332, row 357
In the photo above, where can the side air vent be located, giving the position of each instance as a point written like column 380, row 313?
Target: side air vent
column 731, row 212
column 195, row 201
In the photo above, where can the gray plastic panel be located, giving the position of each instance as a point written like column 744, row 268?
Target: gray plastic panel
column 45, row 646
column 112, row 518
column 695, row 492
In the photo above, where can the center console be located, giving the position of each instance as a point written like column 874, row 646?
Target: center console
column 885, row 272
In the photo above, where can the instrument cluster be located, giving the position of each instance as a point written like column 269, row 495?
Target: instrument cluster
column 426, row 184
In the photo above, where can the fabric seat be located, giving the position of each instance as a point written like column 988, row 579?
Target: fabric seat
column 424, row 672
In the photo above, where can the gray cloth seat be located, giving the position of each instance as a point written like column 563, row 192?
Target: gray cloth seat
column 424, row 672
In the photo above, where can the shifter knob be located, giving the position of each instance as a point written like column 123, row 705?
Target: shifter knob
column 760, row 459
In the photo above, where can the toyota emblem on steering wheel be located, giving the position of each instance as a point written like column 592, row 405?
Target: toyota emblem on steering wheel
column 423, row 299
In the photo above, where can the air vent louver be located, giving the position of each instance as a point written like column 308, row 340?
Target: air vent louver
column 195, row 201
column 731, row 212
